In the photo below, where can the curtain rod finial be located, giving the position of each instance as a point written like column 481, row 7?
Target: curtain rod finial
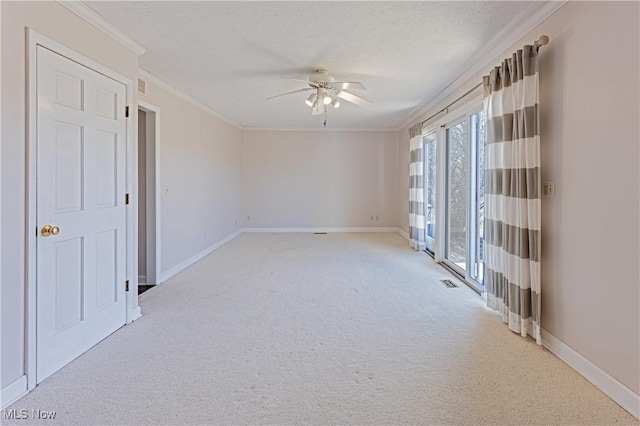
column 543, row 40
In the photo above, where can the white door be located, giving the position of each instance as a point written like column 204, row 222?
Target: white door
column 81, row 209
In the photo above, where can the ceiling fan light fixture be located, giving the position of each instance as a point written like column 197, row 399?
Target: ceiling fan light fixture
column 311, row 99
column 326, row 99
column 335, row 102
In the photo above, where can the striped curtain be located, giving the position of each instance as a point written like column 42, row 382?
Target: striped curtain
column 512, row 222
column 416, row 190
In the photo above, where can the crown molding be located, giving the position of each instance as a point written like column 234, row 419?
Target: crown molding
column 486, row 57
column 93, row 18
column 316, row 129
column 157, row 81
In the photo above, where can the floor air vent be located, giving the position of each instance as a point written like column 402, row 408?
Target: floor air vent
column 320, row 233
column 449, row 283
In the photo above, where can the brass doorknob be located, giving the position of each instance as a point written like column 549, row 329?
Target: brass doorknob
column 49, row 230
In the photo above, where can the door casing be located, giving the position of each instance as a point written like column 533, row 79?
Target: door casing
column 35, row 39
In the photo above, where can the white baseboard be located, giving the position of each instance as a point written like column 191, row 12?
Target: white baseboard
column 615, row 390
column 142, row 279
column 311, row 230
column 137, row 313
column 193, row 259
column 13, row 392
column 404, row 234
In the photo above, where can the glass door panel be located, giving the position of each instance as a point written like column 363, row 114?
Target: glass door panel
column 477, row 199
column 430, row 189
column 457, row 196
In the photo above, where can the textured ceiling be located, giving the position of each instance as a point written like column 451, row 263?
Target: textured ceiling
column 230, row 55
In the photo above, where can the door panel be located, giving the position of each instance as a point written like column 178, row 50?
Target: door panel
column 68, row 282
column 80, row 271
column 106, row 146
column 456, row 224
column 68, row 161
column 106, row 269
column 68, row 90
column 430, row 189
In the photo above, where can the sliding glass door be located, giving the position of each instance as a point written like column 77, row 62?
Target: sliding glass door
column 430, row 189
column 461, row 248
column 477, row 135
column 456, row 196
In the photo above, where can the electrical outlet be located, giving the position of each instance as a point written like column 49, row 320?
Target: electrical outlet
column 548, row 190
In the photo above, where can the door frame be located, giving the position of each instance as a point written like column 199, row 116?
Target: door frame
column 33, row 40
column 155, row 174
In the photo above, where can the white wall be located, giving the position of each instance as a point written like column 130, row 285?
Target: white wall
column 54, row 21
column 200, row 166
column 319, row 179
column 589, row 106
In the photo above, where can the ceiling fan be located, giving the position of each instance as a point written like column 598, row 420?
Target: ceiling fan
column 327, row 91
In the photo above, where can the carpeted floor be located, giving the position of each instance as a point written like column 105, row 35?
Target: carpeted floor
column 318, row 329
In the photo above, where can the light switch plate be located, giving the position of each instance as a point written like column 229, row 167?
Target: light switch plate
column 548, row 190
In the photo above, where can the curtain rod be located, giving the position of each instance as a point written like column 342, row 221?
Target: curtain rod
column 543, row 40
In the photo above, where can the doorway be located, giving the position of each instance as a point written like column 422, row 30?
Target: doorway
column 149, row 270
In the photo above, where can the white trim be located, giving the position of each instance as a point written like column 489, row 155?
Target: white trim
column 193, row 259
column 35, row 39
column 137, row 314
column 403, row 234
column 158, row 189
column 131, row 180
column 485, row 57
column 156, row 81
column 93, row 18
column 30, row 188
column 13, row 392
column 615, row 390
column 311, row 230
column 315, row 129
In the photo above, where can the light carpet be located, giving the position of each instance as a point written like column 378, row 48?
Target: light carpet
column 318, row 329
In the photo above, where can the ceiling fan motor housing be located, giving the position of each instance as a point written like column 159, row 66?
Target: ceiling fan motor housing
column 322, row 79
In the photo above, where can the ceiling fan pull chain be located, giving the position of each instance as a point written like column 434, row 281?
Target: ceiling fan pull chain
column 325, row 117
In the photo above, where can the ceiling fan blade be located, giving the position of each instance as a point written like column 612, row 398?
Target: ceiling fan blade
column 343, row 85
column 350, row 97
column 294, row 91
column 310, row 83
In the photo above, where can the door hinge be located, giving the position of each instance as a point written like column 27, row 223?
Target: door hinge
column 126, row 111
column 126, row 285
column 126, row 198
